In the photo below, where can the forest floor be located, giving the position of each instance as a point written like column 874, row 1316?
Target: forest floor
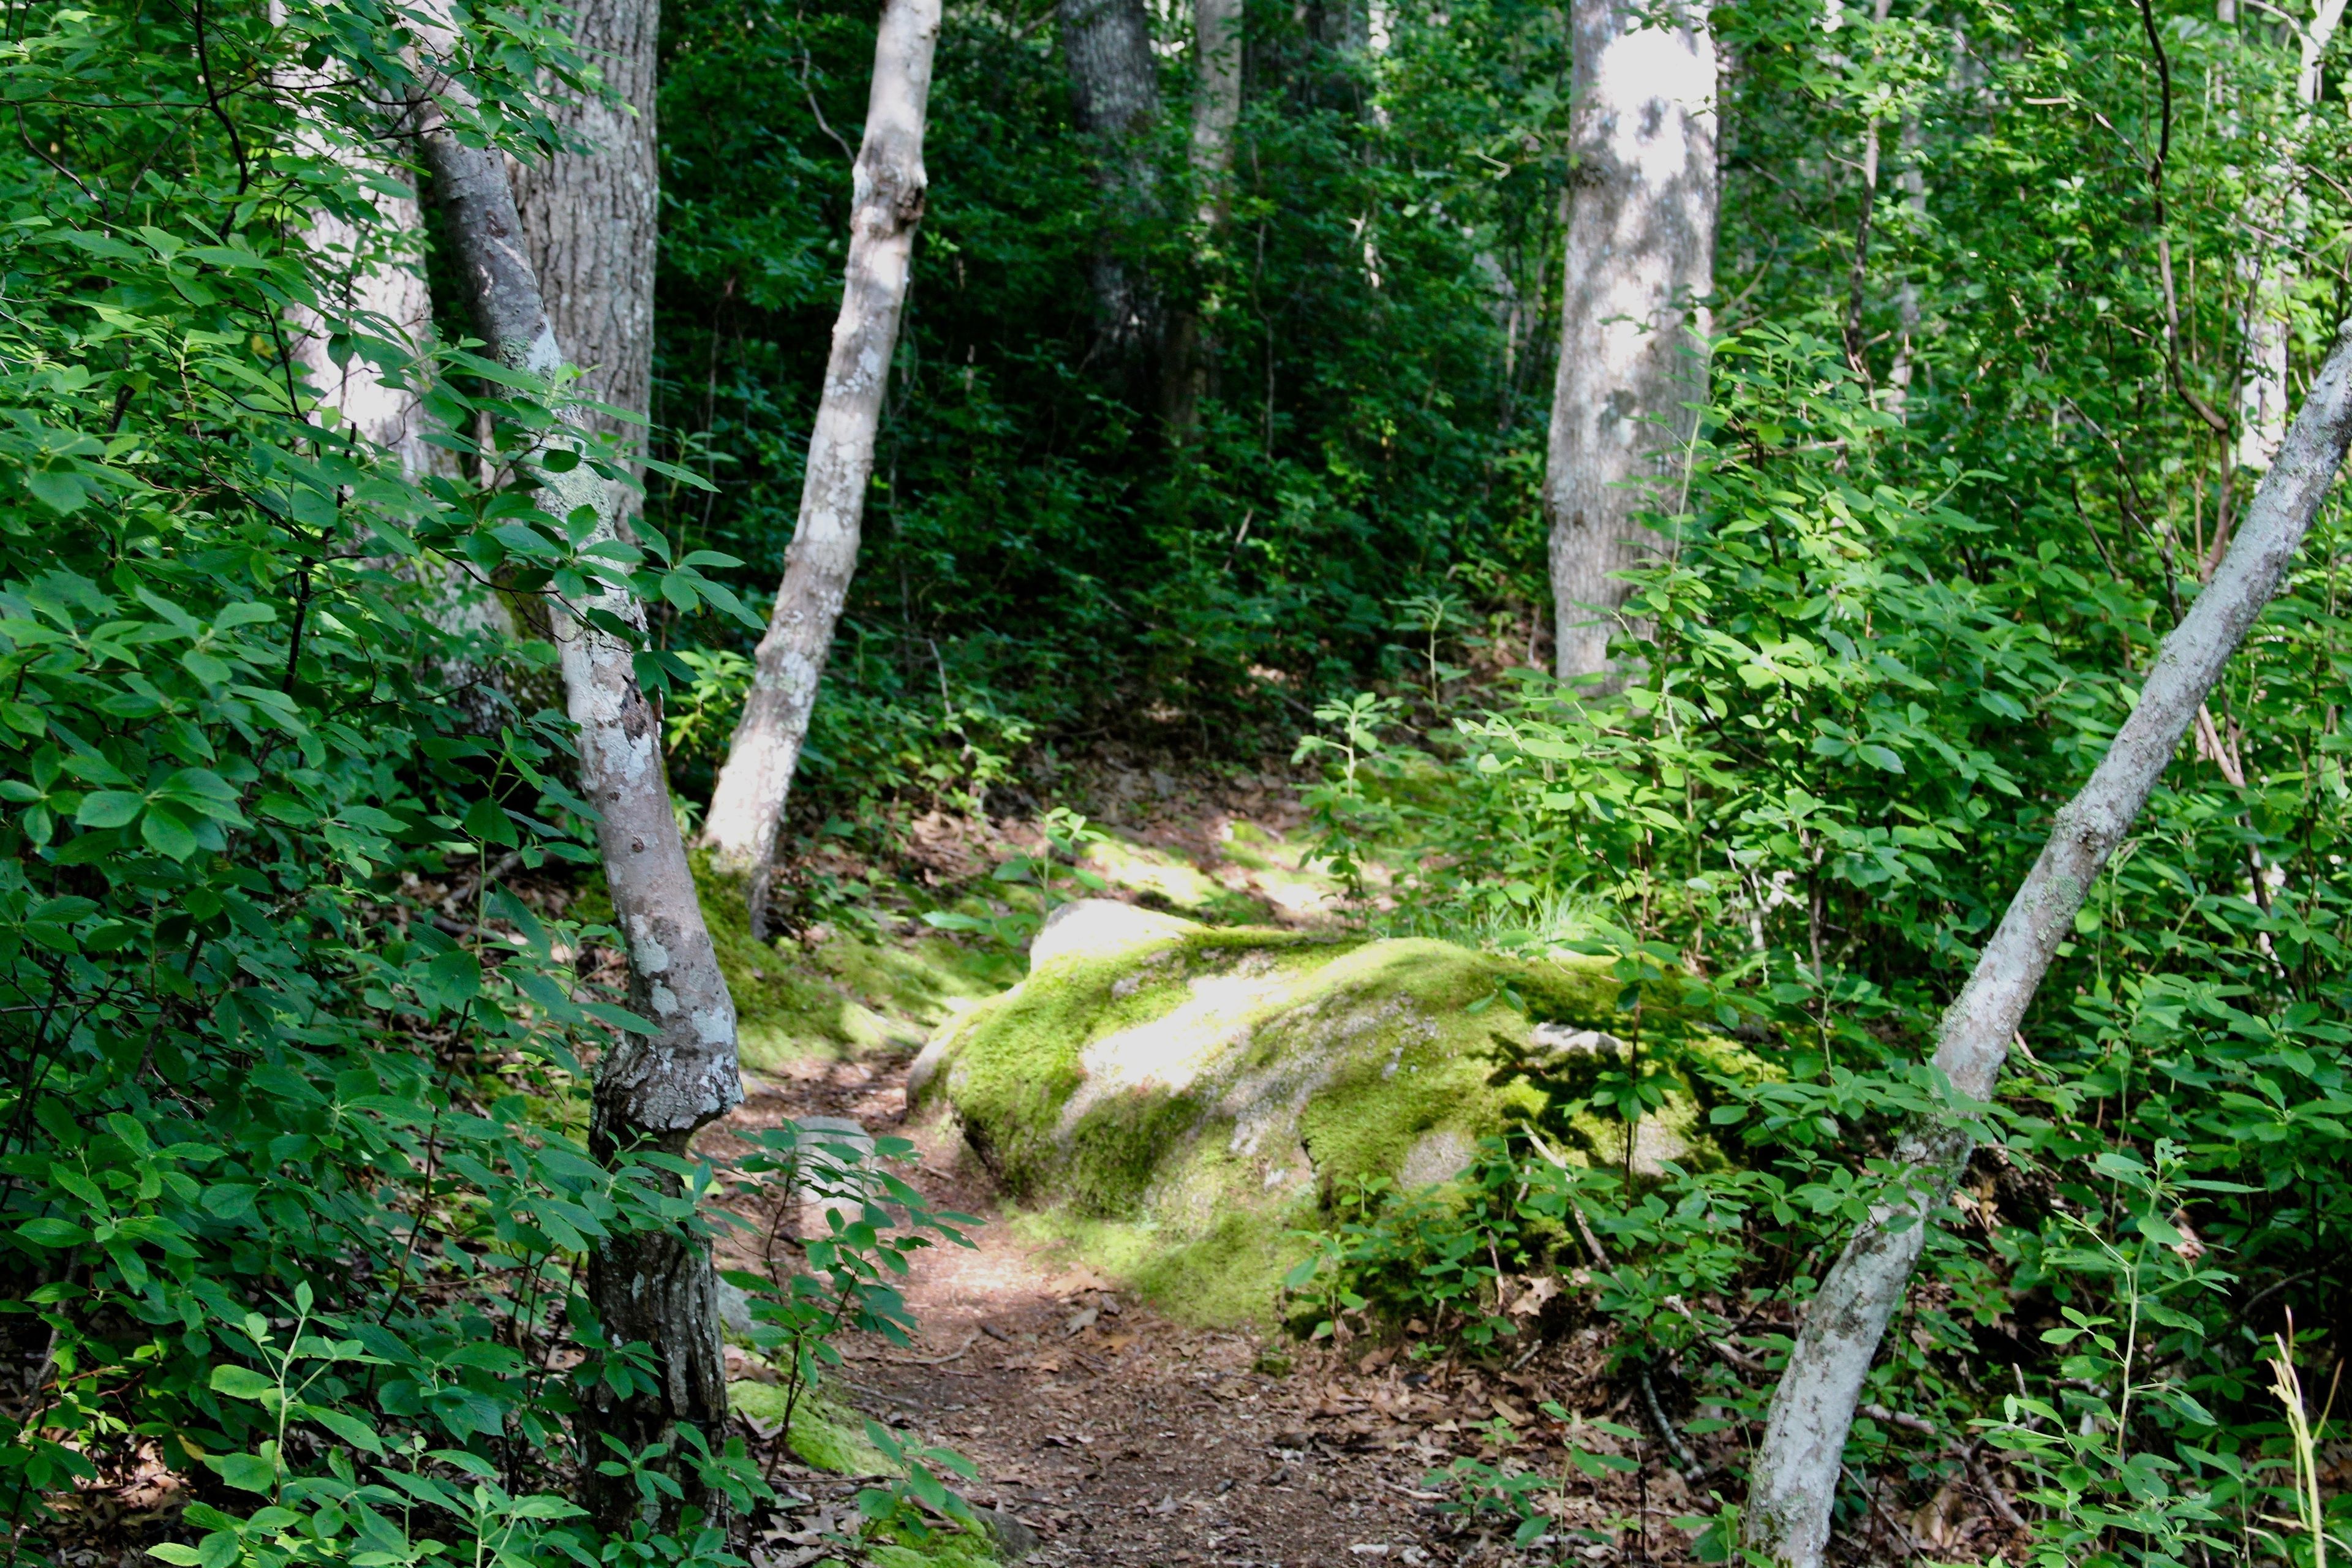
column 1112, row 1433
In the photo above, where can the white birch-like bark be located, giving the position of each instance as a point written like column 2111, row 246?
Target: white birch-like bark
column 1795, row 1474
column 591, row 221
column 1640, row 260
column 2262, row 391
column 1216, row 111
column 372, row 286
column 1216, row 101
column 747, row 807
column 652, row 1092
column 375, row 286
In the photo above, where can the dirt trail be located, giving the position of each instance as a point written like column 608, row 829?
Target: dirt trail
column 1117, row 1436
column 1111, row 1432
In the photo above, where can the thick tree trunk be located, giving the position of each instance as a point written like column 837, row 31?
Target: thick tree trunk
column 651, row 1090
column 1640, row 259
column 2262, row 391
column 1115, row 96
column 886, row 204
column 1795, row 1474
column 1216, row 111
column 590, row 220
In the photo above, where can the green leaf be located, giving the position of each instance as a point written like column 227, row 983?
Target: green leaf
column 167, row 833
column 450, row 980
column 109, row 808
column 246, row 1472
column 52, row 1232
column 350, row 1428
column 242, row 1382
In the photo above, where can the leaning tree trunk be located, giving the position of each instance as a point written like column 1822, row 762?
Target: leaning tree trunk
column 651, row 1090
column 2261, row 388
column 1640, row 261
column 590, row 220
column 1795, row 1474
column 885, row 206
column 1216, row 111
column 1115, row 96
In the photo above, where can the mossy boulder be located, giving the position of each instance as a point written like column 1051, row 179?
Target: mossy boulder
column 1219, row 1085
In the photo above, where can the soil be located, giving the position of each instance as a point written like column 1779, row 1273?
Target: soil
column 1113, row 1435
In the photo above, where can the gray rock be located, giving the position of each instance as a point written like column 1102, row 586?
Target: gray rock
column 1092, row 927
column 1014, row 1540
column 734, row 1308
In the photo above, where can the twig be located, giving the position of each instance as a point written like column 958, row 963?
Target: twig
column 1983, row 1475
column 970, row 1340
column 2163, row 241
column 1684, row 1460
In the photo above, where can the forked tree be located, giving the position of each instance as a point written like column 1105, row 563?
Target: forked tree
column 654, row 1090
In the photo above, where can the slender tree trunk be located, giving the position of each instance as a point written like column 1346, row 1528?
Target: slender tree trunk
column 1115, row 96
column 1795, row 1474
column 2263, row 392
column 591, row 220
column 1906, row 293
column 375, row 286
column 651, row 1090
column 748, row 807
column 1640, row 259
column 1216, row 111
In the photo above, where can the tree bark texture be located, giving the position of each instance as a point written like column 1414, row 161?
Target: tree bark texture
column 375, row 289
column 651, row 1090
column 2262, row 387
column 1640, row 259
column 1216, row 111
column 590, row 219
column 1115, row 98
column 747, row 807
column 1795, row 1474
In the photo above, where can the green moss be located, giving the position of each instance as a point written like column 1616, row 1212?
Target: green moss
column 1231, row 1275
column 822, row 1434
column 852, row 996
column 942, row 1551
column 1183, row 1103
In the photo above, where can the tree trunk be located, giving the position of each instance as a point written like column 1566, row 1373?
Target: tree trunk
column 2263, row 392
column 1795, row 1475
column 1115, row 96
column 373, row 285
column 886, row 204
column 1640, row 257
column 1216, row 111
column 591, row 220
column 651, row 1090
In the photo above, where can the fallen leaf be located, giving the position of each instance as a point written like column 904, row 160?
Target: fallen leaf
column 1081, row 1321
column 1531, row 1300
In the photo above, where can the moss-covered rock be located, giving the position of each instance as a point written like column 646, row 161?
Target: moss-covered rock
column 1216, row 1086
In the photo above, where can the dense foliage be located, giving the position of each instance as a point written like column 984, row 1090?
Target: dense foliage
column 300, row 954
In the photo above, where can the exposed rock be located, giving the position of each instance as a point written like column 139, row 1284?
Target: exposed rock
column 1203, row 1081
